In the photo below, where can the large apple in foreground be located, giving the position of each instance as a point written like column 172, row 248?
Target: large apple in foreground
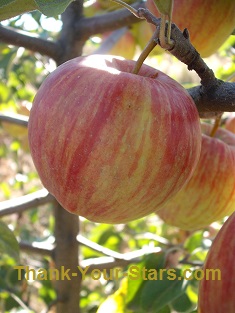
column 110, row 145
column 210, row 22
column 210, row 193
column 216, row 295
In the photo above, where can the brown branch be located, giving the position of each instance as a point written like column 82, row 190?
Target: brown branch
column 181, row 48
column 20, row 204
column 214, row 95
column 23, row 39
column 87, row 27
column 218, row 98
column 71, row 43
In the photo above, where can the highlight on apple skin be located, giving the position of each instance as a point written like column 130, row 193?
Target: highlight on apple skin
column 217, row 295
column 110, row 145
column 210, row 193
column 209, row 23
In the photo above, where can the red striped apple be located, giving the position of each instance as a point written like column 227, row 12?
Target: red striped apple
column 210, row 193
column 209, row 22
column 110, row 145
column 217, row 295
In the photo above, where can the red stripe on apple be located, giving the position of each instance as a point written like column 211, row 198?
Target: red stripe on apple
column 110, row 145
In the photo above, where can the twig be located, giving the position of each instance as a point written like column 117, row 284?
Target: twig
column 154, row 237
column 26, row 202
column 41, row 248
column 98, row 248
column 182, row 48
column 13, row 118
column 18, row 300
column 192, row 263
column 110, row 262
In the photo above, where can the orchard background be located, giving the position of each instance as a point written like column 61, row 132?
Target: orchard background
column 34, row 229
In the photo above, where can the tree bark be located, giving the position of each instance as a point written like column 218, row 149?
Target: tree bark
column 66, row 256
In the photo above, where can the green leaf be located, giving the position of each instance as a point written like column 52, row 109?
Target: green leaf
column 182, row 304
column 158, row 293
column 136, row 274
column 194, row 242
column 166, row 309
column 8, row 242
column 52, row 7
column 11, row 8
column 4, row 3
column 165, row 7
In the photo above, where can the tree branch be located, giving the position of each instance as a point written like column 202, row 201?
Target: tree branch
column 37, row 247
column 23, row 39
column 218, row 98
column 105, row 262
column 66, row 254
column 13, row 118
column 213, row 95
column 20, row 204
column 98, row 248
column 87, row 27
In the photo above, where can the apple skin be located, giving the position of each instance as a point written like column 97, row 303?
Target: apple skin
column 209, row 22
column 110, row 145
column 230, row 124
column 210, row 193
column 217, row 296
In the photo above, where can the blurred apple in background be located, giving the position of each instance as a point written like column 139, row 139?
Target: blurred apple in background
column 230, row 123
column 110, row 145
column 142, row 33
column 120, row 42
column 209, row 22
column 210, row 194
column 217, row 295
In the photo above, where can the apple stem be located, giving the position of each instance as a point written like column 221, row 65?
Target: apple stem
column 144, row 54
column 162, row 30
column 216, row 125
column 127, row 6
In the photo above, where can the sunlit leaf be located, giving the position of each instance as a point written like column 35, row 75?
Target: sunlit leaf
column 194, row 241
column 164, row 6
column 116, row 302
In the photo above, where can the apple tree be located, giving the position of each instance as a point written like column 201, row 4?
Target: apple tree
column 140, row 148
